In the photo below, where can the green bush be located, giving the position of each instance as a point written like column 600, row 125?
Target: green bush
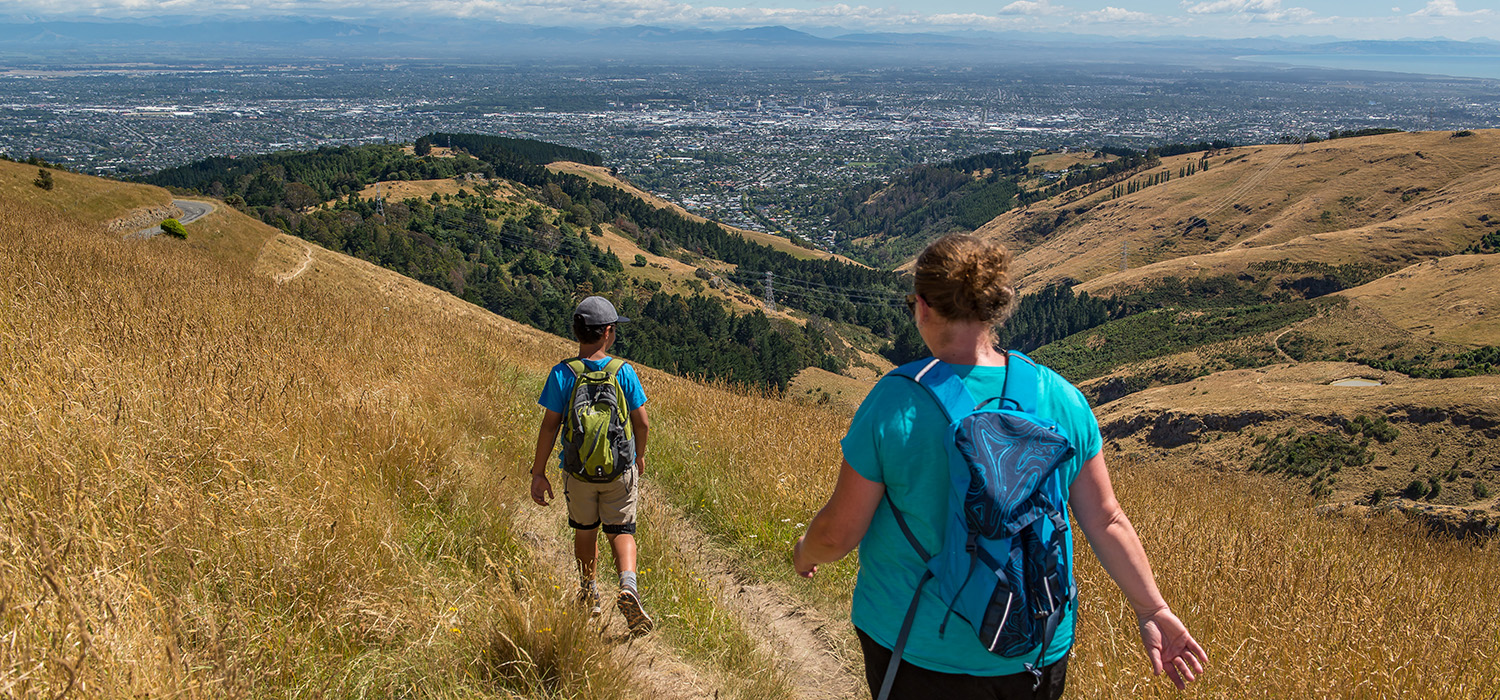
column 1310, row 455
column 640, row 261
column 1481, row 490
column 174, row 228
column 43, row 179
column 1416, row 489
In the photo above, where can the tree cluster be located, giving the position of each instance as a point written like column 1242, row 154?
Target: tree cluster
column 533, row 266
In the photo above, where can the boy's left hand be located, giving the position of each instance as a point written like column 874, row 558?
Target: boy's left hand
column 640, row 465
column 541, row 489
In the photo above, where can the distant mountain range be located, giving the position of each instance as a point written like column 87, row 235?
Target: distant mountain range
column 443, row 38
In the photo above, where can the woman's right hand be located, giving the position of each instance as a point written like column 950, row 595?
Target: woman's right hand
column 1171, row 647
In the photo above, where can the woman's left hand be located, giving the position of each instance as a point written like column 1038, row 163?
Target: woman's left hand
column 1171, row 647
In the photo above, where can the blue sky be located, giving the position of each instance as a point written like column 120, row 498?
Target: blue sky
column 1453, row 19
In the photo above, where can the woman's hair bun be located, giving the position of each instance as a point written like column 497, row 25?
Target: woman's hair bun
column 966, row 278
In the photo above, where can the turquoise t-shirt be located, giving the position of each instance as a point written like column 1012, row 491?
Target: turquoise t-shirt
column 896, row 438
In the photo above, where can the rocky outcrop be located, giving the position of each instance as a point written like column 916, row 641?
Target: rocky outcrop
column 1463, row 523
column 143, row 217
column 1172, row 429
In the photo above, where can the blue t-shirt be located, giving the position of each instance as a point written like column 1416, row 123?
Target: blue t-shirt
column 897, row 438
column 559, row 386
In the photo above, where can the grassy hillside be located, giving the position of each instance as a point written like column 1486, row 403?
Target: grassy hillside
column 286, row 472
column 601, row 175
column 495, row 227
column 85, row 198
column 1383, row 202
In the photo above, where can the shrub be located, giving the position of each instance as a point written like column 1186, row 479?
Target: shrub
column 640, row 260
column 1416, row 489
column 1481, row 490
column 1310, row 455
column 43, row 179
column 1460, row 134
column 174, row 228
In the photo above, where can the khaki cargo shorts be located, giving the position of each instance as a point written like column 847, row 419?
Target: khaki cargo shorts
column 611, row 504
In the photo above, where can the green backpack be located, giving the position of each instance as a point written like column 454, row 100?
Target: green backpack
column 597, row 439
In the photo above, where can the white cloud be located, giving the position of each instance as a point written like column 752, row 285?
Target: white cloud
column 1119, row 15
column 1448, row 8
column 1030, row 7
column 1250, row 10
column 1220, row 7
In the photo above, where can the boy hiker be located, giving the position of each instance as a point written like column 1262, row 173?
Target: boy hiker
column 598, row 405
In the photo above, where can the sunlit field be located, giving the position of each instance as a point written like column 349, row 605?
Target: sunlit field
column 215, row 485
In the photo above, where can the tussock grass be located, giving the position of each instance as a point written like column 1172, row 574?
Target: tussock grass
column 218, row 486
column 1289, row 603
column 215, row 485
column 95, row 200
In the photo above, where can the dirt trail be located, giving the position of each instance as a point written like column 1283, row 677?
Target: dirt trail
column 1276, row 345
column 307, row 258
column 798, row 638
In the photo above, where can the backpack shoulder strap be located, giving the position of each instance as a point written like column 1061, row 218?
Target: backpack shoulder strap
column 942, row 384
column 576, row 365
column 613, row 368
column 1021, row 383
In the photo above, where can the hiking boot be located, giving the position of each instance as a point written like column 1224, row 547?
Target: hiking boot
column 635, row 615
column 588, row 596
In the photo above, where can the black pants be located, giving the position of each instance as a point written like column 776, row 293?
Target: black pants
column 919, row 683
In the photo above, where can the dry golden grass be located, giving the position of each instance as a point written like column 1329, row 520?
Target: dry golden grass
column 221, row 485
column 1062, row 161
column 819, row 386
column 1441, row 423
column 1289, row 604
column 1451, row 300
column 229, row 235
column 218, row 486
column 89, row 199
column 436, row 152
column 398, row 190
column 1395, row 199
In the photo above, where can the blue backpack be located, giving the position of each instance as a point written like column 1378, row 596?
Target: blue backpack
column 1004, row 564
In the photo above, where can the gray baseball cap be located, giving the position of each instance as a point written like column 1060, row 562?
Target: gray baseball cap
column 597, row 311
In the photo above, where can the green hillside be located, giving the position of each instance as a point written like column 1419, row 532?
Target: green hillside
column 527, row 242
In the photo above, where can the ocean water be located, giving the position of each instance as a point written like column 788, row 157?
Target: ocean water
column 1458, row 66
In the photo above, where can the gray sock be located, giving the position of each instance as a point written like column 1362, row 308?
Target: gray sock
column 627, row 580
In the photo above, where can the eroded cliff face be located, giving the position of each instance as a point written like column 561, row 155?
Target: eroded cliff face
column 143, row 217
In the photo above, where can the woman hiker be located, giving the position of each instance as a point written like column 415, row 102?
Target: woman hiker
column 896, row 447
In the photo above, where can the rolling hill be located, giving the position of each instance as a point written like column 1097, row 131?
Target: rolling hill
column 250, row 465
column 1255, row 284
column 501, row 223
column 1376, row 203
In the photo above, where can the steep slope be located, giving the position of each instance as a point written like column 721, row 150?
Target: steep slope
column 288, row 472
column 125, row 207
column 1382, row 223
column 1383, row 202
column 254, row 464
column 602, row 175
column 1451, row 300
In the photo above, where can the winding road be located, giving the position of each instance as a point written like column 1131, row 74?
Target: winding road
column 192, row 210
